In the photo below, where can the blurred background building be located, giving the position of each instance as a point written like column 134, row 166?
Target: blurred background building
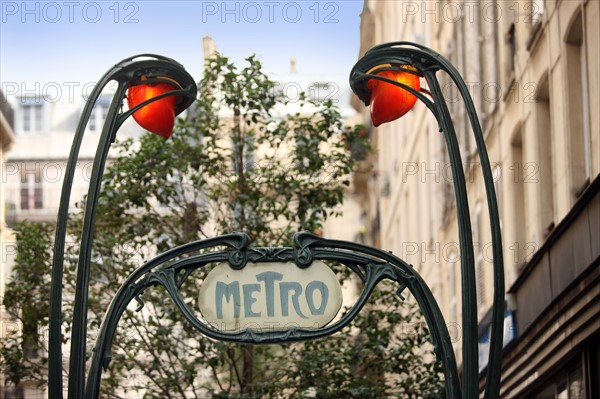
column 533, row 70
column 6, row 235
column 35, row 167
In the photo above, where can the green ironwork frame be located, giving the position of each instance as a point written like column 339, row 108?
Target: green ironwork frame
column 428, row 63
column 370, row 264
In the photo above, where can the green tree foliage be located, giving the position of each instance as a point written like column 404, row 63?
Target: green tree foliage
column 22, row 352
column 238, row 162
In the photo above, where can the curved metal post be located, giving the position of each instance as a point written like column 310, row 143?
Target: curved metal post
column 114, row 120
column 467, row 258
column 55, row 378
column 497, row 329
column 79, row 330
column 124, row 72
column 428, row 62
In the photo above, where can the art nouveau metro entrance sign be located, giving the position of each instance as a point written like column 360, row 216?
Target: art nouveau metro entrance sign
column 258, row 295
column 270, row 296
column 247, row 294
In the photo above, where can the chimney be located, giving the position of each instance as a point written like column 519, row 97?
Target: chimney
column 209, row 47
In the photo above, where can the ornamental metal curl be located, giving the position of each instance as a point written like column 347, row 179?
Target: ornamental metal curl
column 371, row 265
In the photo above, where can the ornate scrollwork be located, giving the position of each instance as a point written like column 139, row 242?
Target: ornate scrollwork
column 238, row 258
column 268, row 254
column 140, row 302
column 303, row 255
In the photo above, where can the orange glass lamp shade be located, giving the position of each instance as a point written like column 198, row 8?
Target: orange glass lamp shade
column 390, row 102
column 157, row 117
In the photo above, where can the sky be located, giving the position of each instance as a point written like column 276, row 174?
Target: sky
column 59, row 48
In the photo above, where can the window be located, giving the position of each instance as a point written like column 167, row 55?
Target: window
column 568, row 383
column 572, row 388
column 519, row 204
column 579, row 378
column 578, row 106
column 479, row 269
column 545, row 167
column 497, row 176
column 31, row 189
column 509, row 53
column 458, row 112
column 490, row 61
column 99, row 113
column 32, row 113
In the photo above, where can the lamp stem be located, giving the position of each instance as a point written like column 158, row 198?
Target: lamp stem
column 80, row 308
column 467, row 259
column 55, row 340
column 492, row 385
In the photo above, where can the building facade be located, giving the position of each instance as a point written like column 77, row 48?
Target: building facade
column 35, row 169
column 6, row 235
column 533, row 70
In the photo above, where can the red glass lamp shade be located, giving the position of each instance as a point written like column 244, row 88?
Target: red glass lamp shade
column 390, row 102
column 157, row 117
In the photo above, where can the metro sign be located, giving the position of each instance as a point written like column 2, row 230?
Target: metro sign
column 270, row 296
